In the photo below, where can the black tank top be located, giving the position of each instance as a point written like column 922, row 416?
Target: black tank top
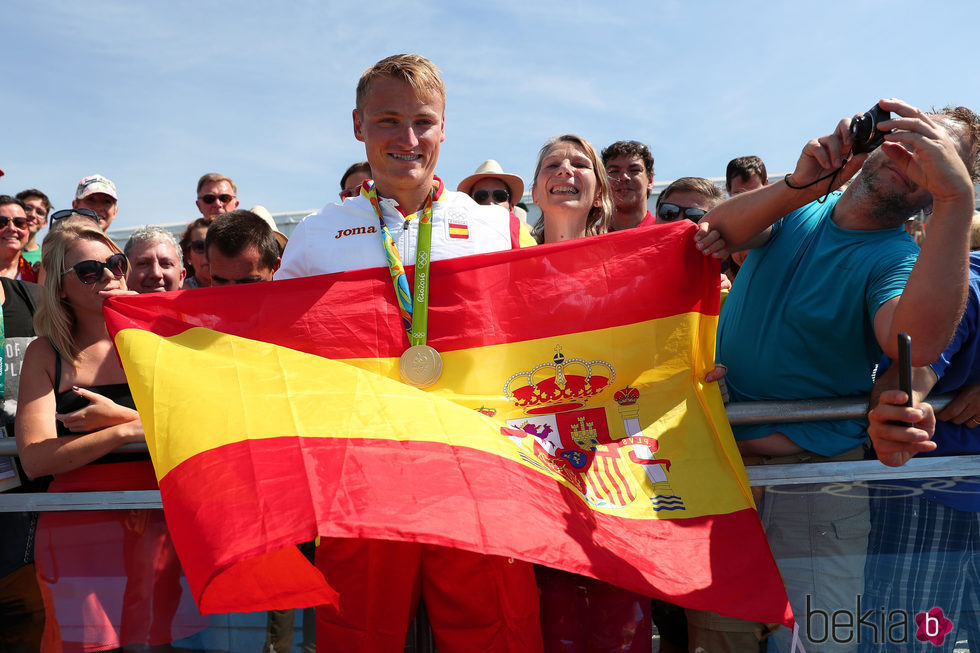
column 68, row 401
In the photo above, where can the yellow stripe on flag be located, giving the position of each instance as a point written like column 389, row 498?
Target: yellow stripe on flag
column 259, row 390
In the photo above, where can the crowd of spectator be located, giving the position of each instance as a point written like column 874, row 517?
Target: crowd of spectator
column 819, row 281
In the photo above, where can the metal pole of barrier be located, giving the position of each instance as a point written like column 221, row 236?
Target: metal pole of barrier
column 8, row 447
column 739, row 414
column 65, row 501
column 748, row 413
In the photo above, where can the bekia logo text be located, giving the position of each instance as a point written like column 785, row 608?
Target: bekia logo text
column 870, row 625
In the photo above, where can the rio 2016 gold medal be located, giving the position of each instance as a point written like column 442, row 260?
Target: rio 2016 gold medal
column 420, row 366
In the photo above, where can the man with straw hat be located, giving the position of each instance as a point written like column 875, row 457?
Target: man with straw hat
column 491, row 185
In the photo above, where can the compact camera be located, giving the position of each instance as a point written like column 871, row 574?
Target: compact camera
column 865, row 132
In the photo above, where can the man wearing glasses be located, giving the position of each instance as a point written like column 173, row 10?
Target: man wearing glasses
column 98, row 194
column 629, row 165
column 216, row 194
column 491, row 185
column 687, row 198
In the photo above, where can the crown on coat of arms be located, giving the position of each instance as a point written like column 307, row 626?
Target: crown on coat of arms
column 627, row 396
column 563, row 384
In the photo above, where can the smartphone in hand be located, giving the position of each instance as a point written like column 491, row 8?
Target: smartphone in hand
column 905, row 369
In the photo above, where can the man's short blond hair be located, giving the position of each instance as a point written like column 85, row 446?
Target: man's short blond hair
column 413, row 69
column 214, row 177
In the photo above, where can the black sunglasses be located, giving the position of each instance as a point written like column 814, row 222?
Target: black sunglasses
column 197, row 245
column 669, row 212
column 20, row 223
column 67, row 213
column 210, row 199
column 483, row 196
column 91, row 271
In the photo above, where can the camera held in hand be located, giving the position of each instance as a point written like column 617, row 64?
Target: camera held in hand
column 865, row 132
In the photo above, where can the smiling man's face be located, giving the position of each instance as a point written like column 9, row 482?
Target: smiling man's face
column 401, row 134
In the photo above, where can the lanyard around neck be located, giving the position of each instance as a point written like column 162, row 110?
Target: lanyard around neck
column 414, row 308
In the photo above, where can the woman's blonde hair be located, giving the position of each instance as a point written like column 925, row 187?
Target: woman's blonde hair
column 55, row 317
column 597, row 222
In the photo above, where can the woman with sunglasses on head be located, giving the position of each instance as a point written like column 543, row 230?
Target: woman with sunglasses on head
column 195, row 256
column 75, row 409
column 82, row 267
column 572, row 190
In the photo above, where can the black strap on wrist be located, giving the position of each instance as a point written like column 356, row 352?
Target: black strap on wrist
column 831, row 175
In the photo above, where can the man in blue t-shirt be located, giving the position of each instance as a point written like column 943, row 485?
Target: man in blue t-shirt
column 826, row 288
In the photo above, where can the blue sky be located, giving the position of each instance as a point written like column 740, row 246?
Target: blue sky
column 155, row 94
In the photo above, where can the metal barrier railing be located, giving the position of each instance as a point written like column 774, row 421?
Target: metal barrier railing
column 743, row 413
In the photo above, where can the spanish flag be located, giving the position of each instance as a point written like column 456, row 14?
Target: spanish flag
column 570, row 427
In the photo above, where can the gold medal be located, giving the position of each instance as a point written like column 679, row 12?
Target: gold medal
column 420, row 365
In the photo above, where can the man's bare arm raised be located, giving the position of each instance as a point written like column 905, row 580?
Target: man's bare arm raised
column 929, row 159
column 743, row 221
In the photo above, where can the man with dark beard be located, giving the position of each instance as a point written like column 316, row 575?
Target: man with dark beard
column 827, row 288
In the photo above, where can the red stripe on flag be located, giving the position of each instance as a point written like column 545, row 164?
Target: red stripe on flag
column 604, row 491
column 624, row 488
column 609, row 470
column 593, row 483
column 385, row 489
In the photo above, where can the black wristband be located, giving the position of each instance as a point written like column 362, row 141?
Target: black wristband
column 815, row 181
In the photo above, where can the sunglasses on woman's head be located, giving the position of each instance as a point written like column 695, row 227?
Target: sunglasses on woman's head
column 91, row 271
column 669, row 212
column 67, row 213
